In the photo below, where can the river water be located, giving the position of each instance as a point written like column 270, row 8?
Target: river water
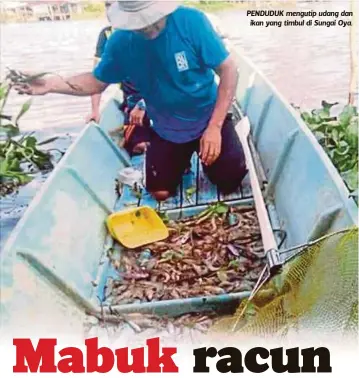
column 307, row 64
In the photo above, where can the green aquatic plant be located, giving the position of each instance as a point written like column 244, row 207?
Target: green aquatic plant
column 338, row 135
column 20, row 156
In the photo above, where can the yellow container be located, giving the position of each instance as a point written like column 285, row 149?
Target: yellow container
column 136, row 227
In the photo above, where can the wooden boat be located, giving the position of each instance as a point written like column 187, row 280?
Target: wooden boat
column 55, row 262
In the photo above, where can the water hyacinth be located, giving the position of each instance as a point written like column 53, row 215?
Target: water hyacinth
column 20, row 155
column 338, row 135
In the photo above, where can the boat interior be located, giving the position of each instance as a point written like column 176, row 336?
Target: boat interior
column 63, row 240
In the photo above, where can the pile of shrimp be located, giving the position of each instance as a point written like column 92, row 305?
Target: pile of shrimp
column 207, row 255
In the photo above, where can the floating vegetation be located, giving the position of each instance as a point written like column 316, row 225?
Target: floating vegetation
column 217, row 252
column 20, row 155
column 338, row 135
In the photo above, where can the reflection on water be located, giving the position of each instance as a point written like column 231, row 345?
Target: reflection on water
column 61, row 47
column 306, row 64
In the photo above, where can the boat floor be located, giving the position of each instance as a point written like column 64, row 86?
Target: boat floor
column 195, row 190
column 202, row 193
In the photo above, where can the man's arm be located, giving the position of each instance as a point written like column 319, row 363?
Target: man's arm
column 108, row 71
column 84, row 84
column 96, row 98
column 213, row 54
column 212, row 137
column 95, row 102
column 228, row 75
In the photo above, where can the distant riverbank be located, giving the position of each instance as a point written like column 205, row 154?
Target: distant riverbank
column 97, row 11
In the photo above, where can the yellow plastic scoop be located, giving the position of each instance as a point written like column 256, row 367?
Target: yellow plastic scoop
column 136, row 227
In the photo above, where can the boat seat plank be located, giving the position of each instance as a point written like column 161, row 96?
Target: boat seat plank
column 127, row 199
column 148, row 200
column 244, row 191
column 246, row 188
column 202, row 191
column 189, row 187
column 207, row 192
column 232, row 196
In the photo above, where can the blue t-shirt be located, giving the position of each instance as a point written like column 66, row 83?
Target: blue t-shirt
column 127, row 88
column 173, row 72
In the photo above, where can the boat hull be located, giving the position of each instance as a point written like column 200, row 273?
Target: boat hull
column 59, row 248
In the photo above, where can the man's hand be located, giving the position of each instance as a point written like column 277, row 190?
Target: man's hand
column 94, row 116
column 84, row 84
column 210, row 145
column 95, row 109
column 211, row 141
column 136, row 116
column 36, row 87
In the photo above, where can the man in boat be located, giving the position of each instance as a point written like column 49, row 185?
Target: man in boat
column 172, row 54
column 135, row 137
